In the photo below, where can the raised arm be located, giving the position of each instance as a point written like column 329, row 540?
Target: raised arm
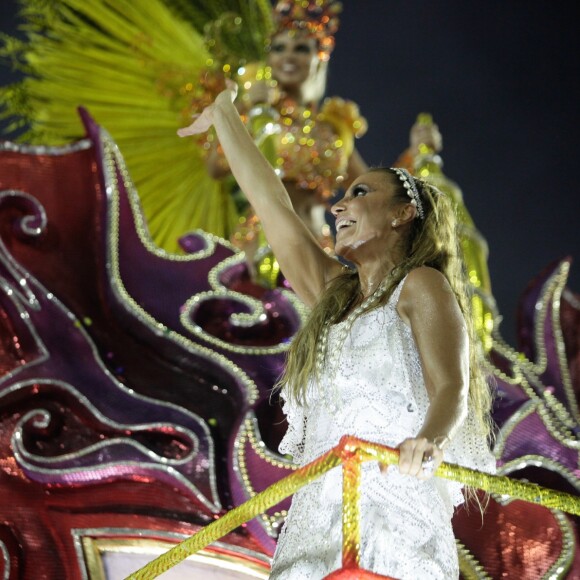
column 429, row 306
column 304, row 263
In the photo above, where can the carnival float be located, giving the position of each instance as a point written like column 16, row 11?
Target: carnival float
column 136, row 374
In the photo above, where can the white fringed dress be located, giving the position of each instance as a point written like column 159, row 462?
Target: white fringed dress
column 378, row 394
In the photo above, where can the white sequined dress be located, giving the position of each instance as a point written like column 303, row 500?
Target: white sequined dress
column 379, row 395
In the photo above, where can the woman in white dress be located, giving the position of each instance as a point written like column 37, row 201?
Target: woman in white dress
column 388, row 354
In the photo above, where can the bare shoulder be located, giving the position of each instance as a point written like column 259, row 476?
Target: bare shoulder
column 425, row 279
column 425, row 289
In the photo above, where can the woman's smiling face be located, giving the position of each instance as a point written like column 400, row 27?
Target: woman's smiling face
column 364, row 215
column 293, row 58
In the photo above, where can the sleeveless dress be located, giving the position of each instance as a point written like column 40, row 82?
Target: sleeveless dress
column 378, row 394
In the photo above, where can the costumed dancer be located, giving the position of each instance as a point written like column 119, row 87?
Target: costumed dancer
column 389, row 353
column 308, row 140
column 106, row 56
column 422, row 158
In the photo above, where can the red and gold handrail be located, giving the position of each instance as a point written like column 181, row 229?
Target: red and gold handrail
column 350, row 452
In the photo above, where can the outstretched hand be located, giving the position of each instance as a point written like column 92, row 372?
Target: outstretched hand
column 203, row 121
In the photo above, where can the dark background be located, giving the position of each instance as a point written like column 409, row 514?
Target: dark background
column 500, row 78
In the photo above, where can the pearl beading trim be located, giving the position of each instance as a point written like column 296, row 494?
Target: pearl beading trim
column 329, row 361
column 409, row 184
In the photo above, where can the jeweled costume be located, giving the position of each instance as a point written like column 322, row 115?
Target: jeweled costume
column 308, row 146
column 376, row 392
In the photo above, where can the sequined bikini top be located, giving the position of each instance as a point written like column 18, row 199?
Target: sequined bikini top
column 309, row 147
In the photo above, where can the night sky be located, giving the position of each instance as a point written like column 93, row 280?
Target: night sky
column 500, row 78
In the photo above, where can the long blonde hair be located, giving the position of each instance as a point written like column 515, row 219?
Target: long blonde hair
column 432, row 241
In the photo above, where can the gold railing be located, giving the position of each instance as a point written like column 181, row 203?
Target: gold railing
column 350, row 452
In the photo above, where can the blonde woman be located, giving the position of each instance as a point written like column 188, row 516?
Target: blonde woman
column 388, row 354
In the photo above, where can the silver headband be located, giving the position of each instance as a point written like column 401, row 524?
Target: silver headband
column 412, row 191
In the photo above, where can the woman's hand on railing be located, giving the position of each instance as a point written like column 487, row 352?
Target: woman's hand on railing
column 419, row 457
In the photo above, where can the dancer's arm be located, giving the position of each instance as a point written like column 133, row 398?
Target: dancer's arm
column 429, row 306
column 304, row 263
